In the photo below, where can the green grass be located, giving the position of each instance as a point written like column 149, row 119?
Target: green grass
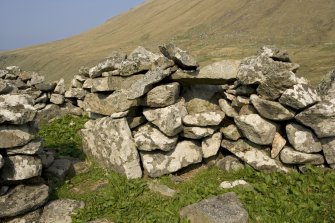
column 276, row 197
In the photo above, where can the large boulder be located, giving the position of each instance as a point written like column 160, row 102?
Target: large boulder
column 21, row 167
column 290, row 156
column 168, row 119
column 320, row 117
column 302, row 139
column 160, row 163
column 180, row 57
column 254, row 155
column 226, row 208
column 16, row 109
column 163, row 95
column 256, row 129
column 23, row 199
column 110, row 142
column 328, row 148
column 148, row 138
column 271, row 110
column 16, row 135
column 299, row 97
column 326, row 87
column 204, row 119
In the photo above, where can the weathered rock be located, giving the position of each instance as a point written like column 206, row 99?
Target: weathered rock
column 3, row 73
column 60, row 210
column 231, row 132
column 117, row 56
column 134, row 66
column 300, row 97
column 163, row 95
column 247, row 110
column 320, row 117
column 226, row 208
column 109, row 141
column 134, row 122
column 168, row 119
column 271, row 110
column 76, row 83
column 42, row 99
column 25, row 75
column 243, row 90
column 326, row 87
column 160, row 163
column 274, row 53
column 100, row 84
column 162, row 62
column 16, row 109
column 36, row 79
column 57, row 99
column 15, row 135
column 302, row 139
column 77, row 93
column 13, row 70
column 47, row 157
column 45, row 87
column 256, row 129
column 49, row 112
column 240, row 101
column 119, row 82
column 21, row 167
column 232, row 184
column 148, row 138
column 58, row 170
column 290, row 156
column 254, row 155
column 31, row 148
column 180, row 57
column 229, row 164
column 227, row 108
column 204, row 119
column 60, row 87
column 40, row 106
column 211, row 145
column 104, row 66
column 23, row 199
column 162, row 189
column 328, row 147
column 277, row 145
column 30, row 217
column 197, row 132
column 5, row 87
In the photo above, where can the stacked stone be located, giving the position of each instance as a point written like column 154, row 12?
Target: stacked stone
column 160, row 112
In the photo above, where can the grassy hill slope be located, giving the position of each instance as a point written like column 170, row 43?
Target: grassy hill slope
column 211, row 30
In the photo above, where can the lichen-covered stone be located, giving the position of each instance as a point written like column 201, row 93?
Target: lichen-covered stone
column 60, row 87
column 271, row 110
column 100, row 84
column 110, row 143
column 274, row 53
column 227, row 108
column 104, row 66
column 160, row 163
column 15, row 135
column 328, row 147
column 23, row 199
column 168, row 119
column 290, row 156
column 116, row 83
column 32, row 148
column 36, row 79
column 197, row 132
column 256, row 129
column 211, row 145
column 253, row 154
column 57, row 99
column 203, row 119
column 163, row 95
column 229, row 164
column 148, row 138
column 77, row 93
column 326, row 87
column 299, row 97
column 277, row 145
column 231, row 132
column 302, row 139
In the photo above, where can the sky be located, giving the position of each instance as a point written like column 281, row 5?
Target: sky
column 30, row 22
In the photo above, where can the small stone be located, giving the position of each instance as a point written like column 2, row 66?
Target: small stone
column 104, row 66
column 25, row 75
column 328, row 146
column 240, row 101
column 134, row 122
column 162, row 189
column 326, row 87
column 211, row 145
column 204, row 119
column 76, row 84
column 31, row 148
column 163, row 95
column 231, row 132
column 30, row 217
column 232, row 184
column 36, row 79
column 247, row 110
column 197, row 132
column 60, row 87
column 57, row 99
column 290, row 156
column 77, row 93
column 230, row 164
column 277, row 145
column 274, row 53
column 45, row 87
column 227, row 108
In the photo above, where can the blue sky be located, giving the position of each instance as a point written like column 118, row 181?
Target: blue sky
column 29, row 22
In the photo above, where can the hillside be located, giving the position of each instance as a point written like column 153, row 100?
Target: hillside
column 211, row 30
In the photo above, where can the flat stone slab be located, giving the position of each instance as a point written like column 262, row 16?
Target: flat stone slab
column 15, row 135
column 290, row 156
column 197, row 132
column 32, row 148
column 204, row 119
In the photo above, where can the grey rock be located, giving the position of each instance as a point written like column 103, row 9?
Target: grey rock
column 81, row 78
column 244, row 90
column 271, row 110
column 25, row 75
column 229, row 164
column 162, row 62
column 49, row 112
column 168, row 119
column 60, row 87
column 240, row 101
column 47, row 157
column 109, row 141
column 60, row 210
column 328, row 147
column 163, row 95
column 277, row 145
column 40, row 106
column 57, row 99
column 31, row 148
column 254, row 155
column 160, row 163
column 320, row 117
column 211, row 145
column 3, row 73
column 10, row 76
column 36, row 79
column 30, row 217
column 88, row 84
column 197, row 132
column 148, row 138
column 134, row 122
column 134, row 66
column 256, row 129
column 119, row 82
column 326, row 87
column 5, row 87
column 120, row 114
column 302, row 139
column 77, row 93
column 231, row 132
column 226, row 208
column 21, row 167
column 274, row 53
column 162, row 189
column 104, row 66
column 46, row 87
column 180, row 57
column 43, row 98
column 58, row 170
column 100, row 84
column 290, row 156
column 13, row 70
column 204, row 119
column 300, row 97
column 23, row 199
column 76, row 83
column 117, row 57
column 235, row 183
column 227, row 108
column 16, row 109
column 15, row 135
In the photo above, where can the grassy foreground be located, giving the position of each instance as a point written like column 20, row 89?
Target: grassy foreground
column 295, row 197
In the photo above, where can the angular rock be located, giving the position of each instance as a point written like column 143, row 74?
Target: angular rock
column 229, row 164
column 16, row 109
column 275, row 53
column 162, row 189
column 30, row 217
column 326, row 87
column 277, row 145
column 256, row 129
column 76, row 83
column 148, row 138
column 328, row 147
column 25, row 75
column 49, row 112
column 77, row 93
column 21, row 167
column 45, row 87
column 300, row 97
column 117, row 57
column 109, row 141
column 134, row 66
column 226, row 208
column 134, row 122
column 42, row 99
column 118, row 83
column 100, row 84
column 23, row 199
column 247, row 110
column 240, row 101
column 243, row 90
column 163, row 95
column 320, row 117
column 57, row 99
column 211, row 145
column 197, row 132
column 290, row 156
column 60, row 87
column 271, row 110
column 232, row 184
column 5, row 87
column 15, row 135
column 31, row 148
column 104, row 66
column 227, row 108
column 302, row 139
column 180, row 57
column 254, row 155
column 88, row 84
column 204, row 119
column 36, row 79
column 162, row 62
column 168, row 119
column 47, row 157
column 58, row 170
column 231, row 132
column 160, row 163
